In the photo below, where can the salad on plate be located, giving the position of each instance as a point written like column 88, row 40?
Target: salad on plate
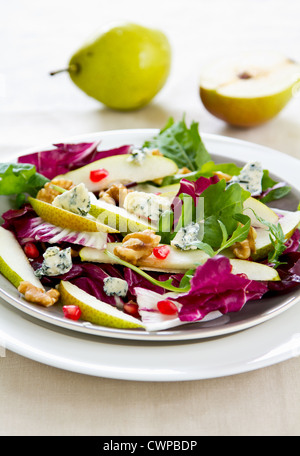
column 150, row 237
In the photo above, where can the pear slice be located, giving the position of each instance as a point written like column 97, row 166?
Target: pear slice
column 65, row 219
column 180, row 261
column 14, row 264
column 254, row 271
column 94, row 310
column 122, row 170
column 289, row 223
column 253, row 206
column 171, row 189
column 177, row 261
column 118, row 218
column 249, row 89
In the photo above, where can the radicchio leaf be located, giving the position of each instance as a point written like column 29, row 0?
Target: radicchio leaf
column 67, row 157
column 215, row 288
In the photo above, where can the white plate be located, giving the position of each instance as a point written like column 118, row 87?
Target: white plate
column 164, row 358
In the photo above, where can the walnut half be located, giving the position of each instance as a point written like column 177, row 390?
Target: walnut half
column 48, row 193
column 244, row 249
column 38, row 295
column 137, row 246
column 115, row 195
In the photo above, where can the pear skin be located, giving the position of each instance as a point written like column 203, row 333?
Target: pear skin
column 124, row 67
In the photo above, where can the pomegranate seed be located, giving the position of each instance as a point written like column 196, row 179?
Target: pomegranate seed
column 131, row 308
column 98, row 175
column 72, row 312
column 167, row 307
column 161, row 252
column 31, row 250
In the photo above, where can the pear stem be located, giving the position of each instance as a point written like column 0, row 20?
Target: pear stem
column 53, row 73
column 64, row 70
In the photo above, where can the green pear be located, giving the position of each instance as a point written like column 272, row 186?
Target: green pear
column 249, row 89
column 94, row 310
column 124, row 67
column 14, row 264
column 66, row 219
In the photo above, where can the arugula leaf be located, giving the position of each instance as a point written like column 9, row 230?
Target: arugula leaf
column 182, row 144
column 277, row 239
column 239, row 235
column 167, row 285
column 17, row 178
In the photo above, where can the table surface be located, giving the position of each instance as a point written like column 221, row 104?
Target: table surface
column 38, row 37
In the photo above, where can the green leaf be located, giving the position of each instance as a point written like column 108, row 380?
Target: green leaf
column 209, row 168
column 277, row 239
column 167, row 285
column 182, row 144
column 20, row 178
column 239, row 235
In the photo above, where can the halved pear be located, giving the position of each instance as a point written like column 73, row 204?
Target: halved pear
column 94, row 310
column 122, row 170
column 14, row 264
column 248, row 89
column 65, row 219
column 118, row 218
column 289, row 223
column 253, row 206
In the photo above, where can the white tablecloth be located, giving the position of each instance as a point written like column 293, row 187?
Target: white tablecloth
column 38, row 37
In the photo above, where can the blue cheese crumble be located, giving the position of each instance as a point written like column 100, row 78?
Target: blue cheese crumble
column 138, row 156
column 186, row 236
column 76, row 200
column 147, row 205
column 250, row 178
column 56, row 262
column 112, row 286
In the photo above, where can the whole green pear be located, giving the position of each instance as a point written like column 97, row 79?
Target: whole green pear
column 124, row 67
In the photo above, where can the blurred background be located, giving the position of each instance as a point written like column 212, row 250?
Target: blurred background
column 38, row 37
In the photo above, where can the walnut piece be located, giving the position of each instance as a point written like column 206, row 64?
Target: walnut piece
column 221, row 176
column 48, row 193
column 137, row 246
column 244, row 249
column 38, row 295
column 184, row 170
column 115, row 195
column 156, row 152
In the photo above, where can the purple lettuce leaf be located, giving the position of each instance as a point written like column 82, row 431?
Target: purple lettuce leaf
column 88, row 277
column 37, row 230
column 67, row 157
column 292, row 245
column 289, row 272
column 215, row 288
